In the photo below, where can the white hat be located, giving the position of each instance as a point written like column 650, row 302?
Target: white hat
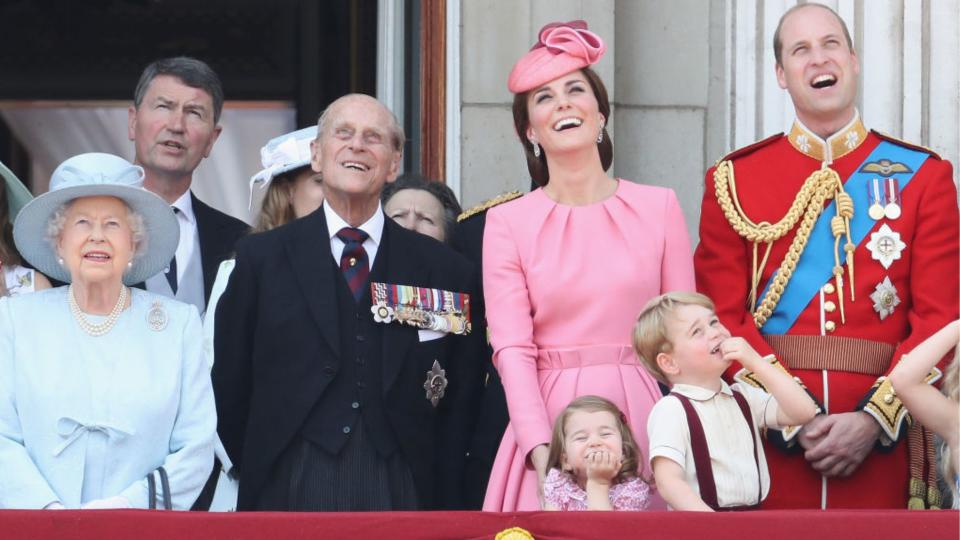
column 92, row 175
column 284, row 153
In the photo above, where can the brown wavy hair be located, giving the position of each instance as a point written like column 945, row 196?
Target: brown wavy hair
column 277, row 206
column 8, row 250
column 521, row 121
column 632, row 455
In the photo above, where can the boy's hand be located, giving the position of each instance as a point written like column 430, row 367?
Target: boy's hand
column 737, row 348
column 602, row 468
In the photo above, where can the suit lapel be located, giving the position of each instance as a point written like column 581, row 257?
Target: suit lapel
column 308, row 248
column 208, row 236
column 403, row 268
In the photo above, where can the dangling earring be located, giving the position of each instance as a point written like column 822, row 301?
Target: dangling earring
column 536, row 149
column 600, row 135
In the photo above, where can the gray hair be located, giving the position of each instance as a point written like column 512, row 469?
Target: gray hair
column 191, row 72
column 138, row 231
column 395, row 129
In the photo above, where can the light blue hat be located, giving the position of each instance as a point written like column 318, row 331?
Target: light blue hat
column 17, row 194
column 92, row 175
column 284, row 153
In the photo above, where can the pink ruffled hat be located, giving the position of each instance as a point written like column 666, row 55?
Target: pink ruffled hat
column 562, row 48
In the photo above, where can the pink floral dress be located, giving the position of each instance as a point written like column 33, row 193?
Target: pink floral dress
column 561, row 491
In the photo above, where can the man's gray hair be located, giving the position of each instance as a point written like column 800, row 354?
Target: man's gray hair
column 396, row 130
column 191, row 72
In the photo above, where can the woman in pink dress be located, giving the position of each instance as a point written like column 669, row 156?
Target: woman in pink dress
column 568, row 267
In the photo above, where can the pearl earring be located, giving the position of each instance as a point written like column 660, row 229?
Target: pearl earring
column 60, row 261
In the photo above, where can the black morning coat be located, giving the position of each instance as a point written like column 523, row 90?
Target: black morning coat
column 277, row 350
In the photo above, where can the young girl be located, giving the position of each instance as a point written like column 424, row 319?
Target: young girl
column 593, row 460
column 939, row 412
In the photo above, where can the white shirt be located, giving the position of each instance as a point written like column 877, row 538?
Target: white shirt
column 188, row 232
column 729, row 440
column 373, row 227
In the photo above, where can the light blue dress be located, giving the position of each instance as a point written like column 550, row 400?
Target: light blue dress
column 85, row 418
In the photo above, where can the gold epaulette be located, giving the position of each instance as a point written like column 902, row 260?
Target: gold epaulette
column 488, row 204
column 901, row 142
column 740, row 152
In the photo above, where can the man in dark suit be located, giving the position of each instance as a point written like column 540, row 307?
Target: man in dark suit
column 322, row 404
column 174, row 122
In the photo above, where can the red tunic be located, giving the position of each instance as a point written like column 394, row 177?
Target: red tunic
column 768, row 177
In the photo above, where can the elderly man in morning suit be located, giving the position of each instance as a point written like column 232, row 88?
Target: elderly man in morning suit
column 834, row 248
column 343, row 361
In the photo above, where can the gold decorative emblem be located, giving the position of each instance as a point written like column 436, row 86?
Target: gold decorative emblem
column 157, row 317
column 514, row 533
column 885, row 245
column 885, row 167
column 488, row 204
column 436, row 383
column 885, row 298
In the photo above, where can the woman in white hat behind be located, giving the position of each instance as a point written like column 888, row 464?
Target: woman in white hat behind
column 15, row 279
column 105, row 398
column 293, row 190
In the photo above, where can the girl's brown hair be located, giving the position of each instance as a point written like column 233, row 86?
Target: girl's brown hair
column 9, row 255
column 632, row 456
column 521, row 121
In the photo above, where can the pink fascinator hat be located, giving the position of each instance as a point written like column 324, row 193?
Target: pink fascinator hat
column 562, row 48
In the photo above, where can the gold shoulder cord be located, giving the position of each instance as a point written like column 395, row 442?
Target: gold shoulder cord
column 821, row 186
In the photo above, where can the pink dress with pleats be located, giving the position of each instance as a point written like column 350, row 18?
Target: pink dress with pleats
column 563, row 286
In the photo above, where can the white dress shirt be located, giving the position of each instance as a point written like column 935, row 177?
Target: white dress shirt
column 373, row 227
column 188, row 232
column 728, row 438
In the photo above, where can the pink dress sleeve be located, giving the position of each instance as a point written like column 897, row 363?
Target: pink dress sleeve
column 510, row 321
column 634, row 494
column 676, row 271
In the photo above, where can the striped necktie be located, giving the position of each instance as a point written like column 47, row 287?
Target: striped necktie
column 353, row 261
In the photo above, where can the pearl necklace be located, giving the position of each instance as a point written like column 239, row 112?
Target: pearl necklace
column 97, row 330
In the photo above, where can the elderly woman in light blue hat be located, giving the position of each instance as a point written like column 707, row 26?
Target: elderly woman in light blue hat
column 15, row 279
column 105, row 398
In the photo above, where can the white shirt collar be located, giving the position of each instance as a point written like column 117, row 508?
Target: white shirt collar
column 700, row 393
column 185, row 205
column 373, row 226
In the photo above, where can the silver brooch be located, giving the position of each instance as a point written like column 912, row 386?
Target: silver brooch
column 157, row 317
column 436, row 383
column 884, row 298
column 885, row 245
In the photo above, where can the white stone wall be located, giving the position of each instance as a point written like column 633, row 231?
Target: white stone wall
column 690, row 80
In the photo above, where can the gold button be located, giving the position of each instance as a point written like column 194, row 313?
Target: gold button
column 888, row 399
column 829, row 306
column 830, row 326
column 829, row 288
column 353, row 261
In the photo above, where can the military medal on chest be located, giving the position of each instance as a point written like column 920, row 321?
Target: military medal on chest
column 885, row 245
column 436, row 383
column 885, row 298
column 421, row 307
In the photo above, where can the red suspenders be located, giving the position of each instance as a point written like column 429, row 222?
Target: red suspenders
column 701, row 453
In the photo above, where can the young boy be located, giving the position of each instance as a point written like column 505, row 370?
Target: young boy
column 705, row 448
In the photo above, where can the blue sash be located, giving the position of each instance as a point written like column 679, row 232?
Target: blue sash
column 815, row 266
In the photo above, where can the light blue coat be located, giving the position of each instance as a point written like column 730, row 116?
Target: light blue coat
column 84, row 418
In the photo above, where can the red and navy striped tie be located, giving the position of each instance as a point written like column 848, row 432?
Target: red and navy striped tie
column 353, row 261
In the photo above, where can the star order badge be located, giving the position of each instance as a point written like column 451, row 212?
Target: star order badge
column 436, row 383
column 885, row 245
column 157, row 317
column 884, row 298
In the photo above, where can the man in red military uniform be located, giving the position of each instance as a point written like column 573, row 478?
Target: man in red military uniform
column 836, row 249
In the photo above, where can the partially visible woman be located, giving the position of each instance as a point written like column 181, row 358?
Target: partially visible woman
column 293, row 190
column 423, row 206
column 121, row 391
column 568, row 266
column 15, row 279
